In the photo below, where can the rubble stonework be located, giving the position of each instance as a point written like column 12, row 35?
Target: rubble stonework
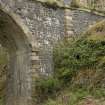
column 32, row 30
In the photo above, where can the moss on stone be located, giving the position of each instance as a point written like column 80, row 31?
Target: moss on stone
column 52, row 3
column 97, row 32
column 75, row 3
column 95, row 5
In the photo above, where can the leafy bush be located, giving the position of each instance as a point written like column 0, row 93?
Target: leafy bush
column 79, row 54
column 3, row 70
column 83, row 56
column 46, row 87
column 79, row 65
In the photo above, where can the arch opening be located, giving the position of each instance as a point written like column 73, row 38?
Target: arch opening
column 16, row 42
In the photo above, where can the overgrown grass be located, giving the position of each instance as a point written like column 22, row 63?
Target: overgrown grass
column 74, row 97
column 79, row 69
column 3, row 63
column 79, row 65
column 1, row 101
column 80, row 54
column 46, row 87
column 97, row 31
column 3, row 56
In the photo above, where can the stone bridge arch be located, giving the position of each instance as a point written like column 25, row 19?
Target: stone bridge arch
column 18, row 41
column 38, row 26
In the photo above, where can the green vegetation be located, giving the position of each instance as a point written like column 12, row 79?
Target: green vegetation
column 47, row 86
column 3, row 59
column 79, row 70
column 81, row 55
column 52, row 3
column 98, row 30
column 1, row 101
column 3, row 62
column 75, row 3
column 93, row 5
column 76, row 97
column 59, row 3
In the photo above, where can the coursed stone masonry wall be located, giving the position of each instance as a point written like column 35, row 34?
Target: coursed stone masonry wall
column 47, row 25
column 78, row 21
